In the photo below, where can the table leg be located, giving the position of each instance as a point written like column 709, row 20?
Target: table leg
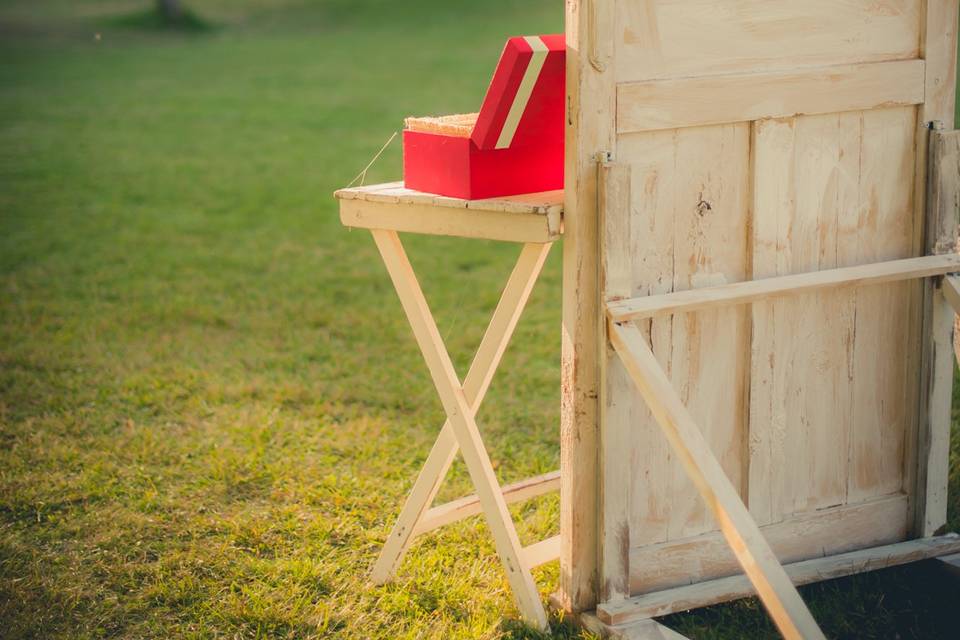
column 460, row 415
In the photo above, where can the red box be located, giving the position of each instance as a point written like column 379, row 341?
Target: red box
column 513, row 145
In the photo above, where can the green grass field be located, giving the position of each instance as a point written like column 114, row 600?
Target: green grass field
column 211, row 406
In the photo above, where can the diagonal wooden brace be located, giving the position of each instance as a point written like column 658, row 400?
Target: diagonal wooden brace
column 477, row 381
column 460, row 415
column 774, row 587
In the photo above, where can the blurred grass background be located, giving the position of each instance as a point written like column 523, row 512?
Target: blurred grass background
column 211, row 406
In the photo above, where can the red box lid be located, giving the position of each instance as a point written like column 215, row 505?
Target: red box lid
column 524, row 102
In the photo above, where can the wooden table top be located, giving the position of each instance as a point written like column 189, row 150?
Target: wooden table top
column 531, row 217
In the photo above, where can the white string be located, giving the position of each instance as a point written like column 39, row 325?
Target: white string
column 363, row 174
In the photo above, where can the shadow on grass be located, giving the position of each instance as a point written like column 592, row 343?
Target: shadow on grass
column 912, row 602
column 153, row 20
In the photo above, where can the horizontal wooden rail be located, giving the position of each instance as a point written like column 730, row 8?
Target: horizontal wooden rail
column 661, row 603
column 541, row 552
column 753, row 290
column 467, row 506
column 715, row 99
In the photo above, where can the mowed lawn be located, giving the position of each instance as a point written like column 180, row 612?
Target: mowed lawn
column 211, row 406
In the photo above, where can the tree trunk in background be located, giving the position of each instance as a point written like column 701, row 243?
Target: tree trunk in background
column 170, row 9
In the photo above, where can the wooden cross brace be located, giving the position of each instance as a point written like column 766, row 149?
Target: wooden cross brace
column 751, row 549
column 461, row 402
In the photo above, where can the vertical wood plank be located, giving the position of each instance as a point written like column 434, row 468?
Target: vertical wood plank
column 882, row 378
column 617, row 426
column 938, row 47
column 653, row 178
column 943, row 203
column 689, row 229
column 805, row 193
column 589, row 131
column 709, row 358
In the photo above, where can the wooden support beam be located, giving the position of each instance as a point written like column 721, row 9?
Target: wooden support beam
column 702, row 594
column 542, row 552
column 616, row 406
column 933, row 437
column 775, row 589
column 752, row 290
column 951, row 291
column 467, row 506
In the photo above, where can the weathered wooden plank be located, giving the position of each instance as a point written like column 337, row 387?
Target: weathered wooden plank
column 938, row 46
column 745, row 292
column 765, row 573
column 706, row 100
column 703, row 594
column 543, row 202
column 683, row 38
column 616, row 400
column 542, row 552
column 933, row 447
column 590, row 131
column 451, row 221
column 883, row 315
column 801, row 537
column 805, row 193
column 690, row 198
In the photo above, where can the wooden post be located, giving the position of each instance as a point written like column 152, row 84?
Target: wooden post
column 938, row 48
column 933, row 445
column 616, row 389
column 590, row 131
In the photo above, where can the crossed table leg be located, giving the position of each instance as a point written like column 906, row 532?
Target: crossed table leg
column 460, row 430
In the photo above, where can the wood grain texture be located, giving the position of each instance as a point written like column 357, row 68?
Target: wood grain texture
column 808, row 398
column 589, row 132
column 809, row 535
column 933, row 447
column 883, row 380
column 527, row 218
column 661, row 603
column 805, row 206
column 758, row 561
column 691, row 102
column 683, row 38
column 736, row 293
column 938, row 46
column 616, row 400
column 689, row 216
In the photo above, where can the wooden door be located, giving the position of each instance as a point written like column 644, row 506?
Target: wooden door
column 752, row 138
